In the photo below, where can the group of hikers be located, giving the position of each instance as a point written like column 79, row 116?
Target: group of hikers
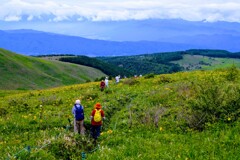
column 96, row 117
column 104, row 83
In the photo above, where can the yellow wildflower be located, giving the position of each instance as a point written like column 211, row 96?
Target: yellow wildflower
column 160, row 128
column 109, row 131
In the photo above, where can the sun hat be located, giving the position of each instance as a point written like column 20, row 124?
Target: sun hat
column 98, row 106
column 78, row 101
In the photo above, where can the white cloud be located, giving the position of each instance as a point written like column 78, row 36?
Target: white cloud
column 104, row 10
column 12, row 18
column 30, row 17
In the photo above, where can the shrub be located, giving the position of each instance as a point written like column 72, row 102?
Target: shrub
column 3, row 112
column 70, row 146
column 88, row 80
column 131, row 81
column 150, row 75
column 213, row 102
column 164, row 79
column 232, row 73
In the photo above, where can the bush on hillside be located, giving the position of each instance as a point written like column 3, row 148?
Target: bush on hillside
column 214, row 101
column 164, row 79
column 131, row 81
column 3, row 112
column 232, row 73
column 150, row 75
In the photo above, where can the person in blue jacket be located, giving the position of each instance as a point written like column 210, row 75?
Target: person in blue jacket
column 78, row 113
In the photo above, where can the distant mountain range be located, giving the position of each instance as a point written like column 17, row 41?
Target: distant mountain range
column 188, row 35
column 30, row 42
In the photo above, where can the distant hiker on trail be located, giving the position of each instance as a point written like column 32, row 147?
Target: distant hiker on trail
column 117, row 78
column 78, row 112
column 96, row 120
column 102, row 85
column 106, row 81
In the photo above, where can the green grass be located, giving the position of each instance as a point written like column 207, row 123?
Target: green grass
column 198, row 62
column 22, row 72
column 187, row 115
column 155, row 144
column 4, row 93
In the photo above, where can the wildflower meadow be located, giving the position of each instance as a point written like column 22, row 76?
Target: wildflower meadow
column 185, row 116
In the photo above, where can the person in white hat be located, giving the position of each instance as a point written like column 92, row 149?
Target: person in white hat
column 78, row 113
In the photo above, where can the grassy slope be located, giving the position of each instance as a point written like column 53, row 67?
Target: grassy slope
column 22, row 72
column 193, row 62
column 144, row 120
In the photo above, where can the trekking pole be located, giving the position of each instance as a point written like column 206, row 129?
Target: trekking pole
column 83, row 155
column 69, row 126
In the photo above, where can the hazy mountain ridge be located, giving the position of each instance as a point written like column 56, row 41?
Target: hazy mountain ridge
column 38, row 43
column 116, row 38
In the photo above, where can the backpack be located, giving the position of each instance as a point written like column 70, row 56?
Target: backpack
column 97, row 116
column 102, row 84
column 79, row 115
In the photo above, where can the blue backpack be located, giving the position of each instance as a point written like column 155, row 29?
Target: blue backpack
column 79, row 115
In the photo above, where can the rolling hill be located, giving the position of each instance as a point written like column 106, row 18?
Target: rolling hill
column 169, row 62
column 200, row 62
column 23, row 72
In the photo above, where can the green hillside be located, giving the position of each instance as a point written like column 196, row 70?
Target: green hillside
column 107, row 68
column 157, row 63
column 185, row 116
column 22, row 72
column 170, row 62
column 200, row 62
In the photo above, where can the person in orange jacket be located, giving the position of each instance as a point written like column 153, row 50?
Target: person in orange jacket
column 97, row 116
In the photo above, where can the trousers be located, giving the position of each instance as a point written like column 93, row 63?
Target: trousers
column 78, row 127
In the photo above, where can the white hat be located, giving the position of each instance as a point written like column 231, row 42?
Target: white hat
column 78, row 101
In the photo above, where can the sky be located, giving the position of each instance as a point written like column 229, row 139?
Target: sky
column 101, row 19
column 118, row 10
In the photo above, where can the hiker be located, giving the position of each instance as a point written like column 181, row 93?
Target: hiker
column 106, row 81
column 117, row 78
column 102, row 85
column 78, row 112
column 96, row 120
